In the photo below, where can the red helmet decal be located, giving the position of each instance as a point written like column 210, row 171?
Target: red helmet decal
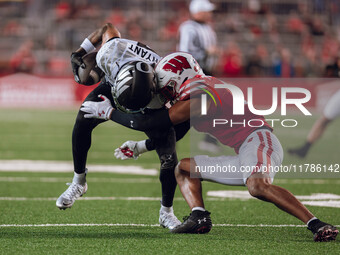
column 178, row 63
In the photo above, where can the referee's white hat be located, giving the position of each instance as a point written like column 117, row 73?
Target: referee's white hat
column 201, row 6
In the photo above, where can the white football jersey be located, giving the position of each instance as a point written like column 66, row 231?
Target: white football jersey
column 117, row 52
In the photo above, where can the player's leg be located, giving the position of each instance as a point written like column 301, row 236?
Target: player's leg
column 165, row 145
column 268, row 151
column 191, row 188
column 83, row 127
column 314, row 134
column 189, row 174
column 199, row 221
column 259, row 186
column 81, row 143
column 331, row 112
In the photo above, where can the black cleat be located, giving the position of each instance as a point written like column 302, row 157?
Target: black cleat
column 324, row 232
column 197, row 222
column 300, row 152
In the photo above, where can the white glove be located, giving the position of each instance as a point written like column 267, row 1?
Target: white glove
column 98, row 110
column 130, row 149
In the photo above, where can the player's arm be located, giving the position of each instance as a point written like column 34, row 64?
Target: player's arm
column 179, row 116
column 101, row 35
column 159, row 119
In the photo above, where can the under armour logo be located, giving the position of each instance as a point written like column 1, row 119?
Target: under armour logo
column 100, row 114
column 202, row 220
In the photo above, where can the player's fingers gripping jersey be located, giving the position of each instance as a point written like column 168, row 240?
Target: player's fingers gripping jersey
column 260, row 152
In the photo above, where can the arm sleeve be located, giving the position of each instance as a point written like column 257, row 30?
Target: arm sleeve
column 180, row 129
column 158, row 119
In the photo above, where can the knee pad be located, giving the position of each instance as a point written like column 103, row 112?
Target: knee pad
column 167, row 171
column 168, row 161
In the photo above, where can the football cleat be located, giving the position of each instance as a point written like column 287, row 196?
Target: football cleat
column 300, row 152
column 74, row 191
column 197, row 222
column 168, row 219
column 325, row 233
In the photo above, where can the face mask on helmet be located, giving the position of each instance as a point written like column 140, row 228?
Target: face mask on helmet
column 134, row 87
column 173, row 70
column 169, row 91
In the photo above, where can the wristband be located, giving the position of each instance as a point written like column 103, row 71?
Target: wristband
column 141, row 147
column 87, row 45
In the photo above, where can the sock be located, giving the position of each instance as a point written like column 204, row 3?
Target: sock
column 306, row 146
column 198, row 208
column 79, row 178
column 167, row 209
column 314, row 218
column 314, row 224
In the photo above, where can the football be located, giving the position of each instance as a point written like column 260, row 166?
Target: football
column 91, row 74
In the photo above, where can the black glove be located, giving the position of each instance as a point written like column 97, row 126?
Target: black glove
column 76, row 62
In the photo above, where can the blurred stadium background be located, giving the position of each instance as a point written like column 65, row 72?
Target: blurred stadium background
column 37, row 36
column 267, row 38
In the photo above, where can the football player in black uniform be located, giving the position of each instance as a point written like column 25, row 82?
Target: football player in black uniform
column 129, row 64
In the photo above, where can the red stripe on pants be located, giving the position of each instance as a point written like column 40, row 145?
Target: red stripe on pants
column 259, row 153
column 270, row 149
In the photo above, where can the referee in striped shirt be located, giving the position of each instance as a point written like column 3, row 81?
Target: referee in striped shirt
column 198, row 38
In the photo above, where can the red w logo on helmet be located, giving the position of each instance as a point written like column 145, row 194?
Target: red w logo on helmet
column 177, row 64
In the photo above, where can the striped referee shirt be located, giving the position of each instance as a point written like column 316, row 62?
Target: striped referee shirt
column 196, row 38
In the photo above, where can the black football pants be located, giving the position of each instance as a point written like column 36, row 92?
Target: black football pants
column 164, row 142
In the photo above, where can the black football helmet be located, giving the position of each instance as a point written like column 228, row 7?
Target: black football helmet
column 134, row 87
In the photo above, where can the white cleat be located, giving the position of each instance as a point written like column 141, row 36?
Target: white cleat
column 74, row 191
column 168, row 219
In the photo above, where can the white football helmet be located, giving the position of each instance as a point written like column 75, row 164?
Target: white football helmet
column 173, row 70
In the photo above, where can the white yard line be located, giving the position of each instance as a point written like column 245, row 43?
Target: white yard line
column 102, row 198
column 67, row 167
column 326, row 203
column 306, row 181
column 84, row 198
column 144, row 225
column 90, row 179
column 313, row 201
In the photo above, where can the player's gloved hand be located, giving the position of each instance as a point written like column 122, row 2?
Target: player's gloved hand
column 98, row 110
column 76, row 62
column 130, row 149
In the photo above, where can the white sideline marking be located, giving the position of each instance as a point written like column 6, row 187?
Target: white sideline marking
column 100, row 198
column 243, row 194
column 86, row 198
column 90, row 180
column 316, row 199
column 319, row 196
column 136, row 180
column 303, row 181
column 240, row 194
column 328, row 203
column 67, row 167
column 144, row 225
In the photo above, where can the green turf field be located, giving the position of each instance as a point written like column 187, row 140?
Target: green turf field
column 119, row 213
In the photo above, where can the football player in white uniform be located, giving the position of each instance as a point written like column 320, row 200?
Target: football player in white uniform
column 129, row 64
